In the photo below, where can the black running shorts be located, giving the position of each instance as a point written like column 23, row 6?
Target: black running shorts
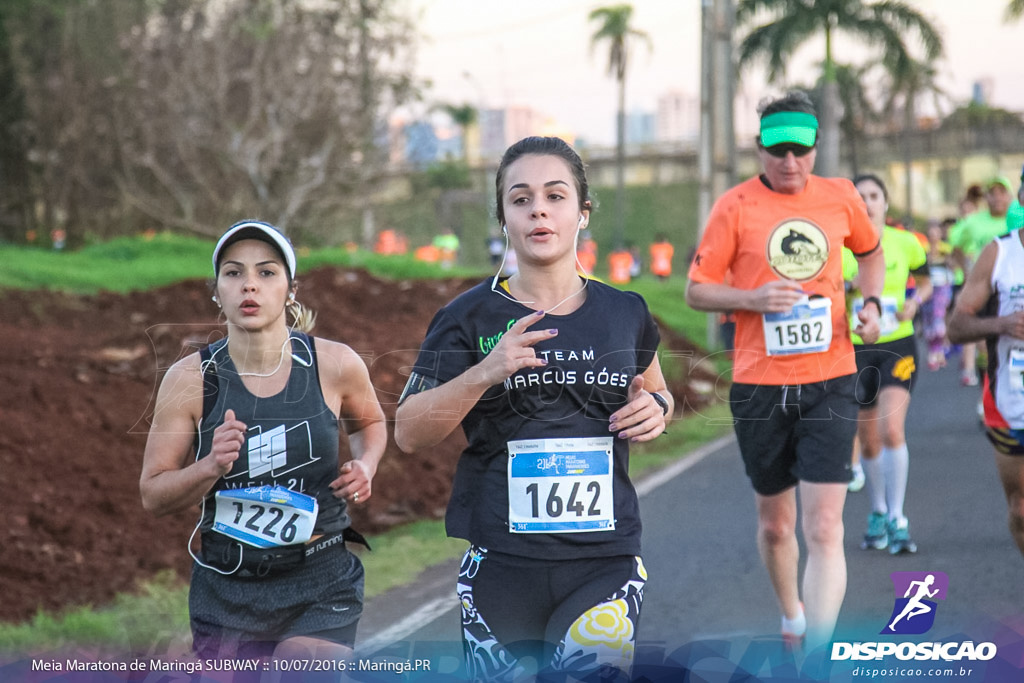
column 242, row 618
column 879, row 366
column 788, row 434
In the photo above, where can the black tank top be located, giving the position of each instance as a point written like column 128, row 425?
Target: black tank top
column 291, row 437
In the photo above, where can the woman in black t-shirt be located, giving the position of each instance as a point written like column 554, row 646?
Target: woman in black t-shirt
column 551, row 375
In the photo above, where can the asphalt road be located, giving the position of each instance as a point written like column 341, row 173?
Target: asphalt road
column 708, row 599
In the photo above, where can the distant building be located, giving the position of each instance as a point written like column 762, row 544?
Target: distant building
column 981, row 91
column 678, row 117
column 422, row 142
column 499, row 128
column 641, row 128
column 422, row 146
column 492, row 132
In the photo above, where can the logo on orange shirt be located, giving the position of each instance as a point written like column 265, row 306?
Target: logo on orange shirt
column 797, row 250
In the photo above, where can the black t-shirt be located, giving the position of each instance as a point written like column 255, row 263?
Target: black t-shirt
column 598, row 350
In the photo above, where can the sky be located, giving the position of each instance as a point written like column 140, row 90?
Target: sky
column 537, row 53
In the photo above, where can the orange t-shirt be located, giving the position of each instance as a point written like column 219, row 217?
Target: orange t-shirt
column 587, row 260
column 618, row 266
column 758, row 236
column 661, row 258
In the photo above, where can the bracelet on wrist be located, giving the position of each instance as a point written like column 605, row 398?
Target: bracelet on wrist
column 661, row 401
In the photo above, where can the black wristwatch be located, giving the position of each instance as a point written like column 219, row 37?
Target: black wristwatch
column 876, row 301
column 661, row 401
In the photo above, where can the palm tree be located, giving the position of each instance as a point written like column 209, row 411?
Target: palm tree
column 616, row 30
column 1015, row 10
column 858, row 107
column 911, row 80
column 885, row 23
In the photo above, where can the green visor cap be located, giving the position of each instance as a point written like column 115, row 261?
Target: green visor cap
column 1000, row 180
column 795, row 127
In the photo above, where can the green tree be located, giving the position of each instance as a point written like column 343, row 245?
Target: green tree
column 790, row 23
column 976, row 115
column 463, row 116
column 858, row 108
column 1015, row 10
column 614, row 29
column 15, row 201
column 185, row 115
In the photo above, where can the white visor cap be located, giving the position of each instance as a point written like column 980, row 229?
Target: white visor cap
column 256, row 230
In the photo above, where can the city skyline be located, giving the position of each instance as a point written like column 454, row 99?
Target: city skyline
column 538, row 55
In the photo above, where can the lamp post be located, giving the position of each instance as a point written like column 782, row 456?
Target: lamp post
column 717, row 151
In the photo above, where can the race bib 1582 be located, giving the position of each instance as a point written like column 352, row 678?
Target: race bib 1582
column 806, row 328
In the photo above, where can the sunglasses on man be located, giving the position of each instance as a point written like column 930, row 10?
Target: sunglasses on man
column 785, row 148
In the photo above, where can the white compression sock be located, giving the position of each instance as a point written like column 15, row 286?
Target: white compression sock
column 874, row 474
column 896, row 465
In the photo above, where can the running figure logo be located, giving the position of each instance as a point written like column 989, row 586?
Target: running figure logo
column 914, row 612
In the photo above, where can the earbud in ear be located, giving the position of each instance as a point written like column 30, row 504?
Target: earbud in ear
column 504, row 230
column 580, row 223
column 291, row 296
column 215, row 300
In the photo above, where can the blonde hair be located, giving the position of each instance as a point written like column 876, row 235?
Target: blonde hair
column 303, row 319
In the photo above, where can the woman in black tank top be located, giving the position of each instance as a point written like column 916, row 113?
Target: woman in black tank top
column 247, row 429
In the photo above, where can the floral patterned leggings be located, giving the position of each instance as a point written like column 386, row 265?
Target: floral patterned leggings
column 522, row 616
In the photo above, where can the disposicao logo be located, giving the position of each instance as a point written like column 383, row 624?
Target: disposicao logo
column 916, row 593
column 913, row 613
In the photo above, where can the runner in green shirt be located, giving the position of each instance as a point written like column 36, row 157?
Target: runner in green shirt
column 974, row 231
column 1015, row 216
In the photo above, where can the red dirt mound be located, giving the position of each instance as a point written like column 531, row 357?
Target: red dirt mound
column 79, row 375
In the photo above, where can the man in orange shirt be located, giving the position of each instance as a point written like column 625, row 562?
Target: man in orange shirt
column 661, row 257
column 779, row 239
column 619, row 263
column 586, row 253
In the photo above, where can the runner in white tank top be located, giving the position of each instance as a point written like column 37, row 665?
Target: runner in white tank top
column 991, row 307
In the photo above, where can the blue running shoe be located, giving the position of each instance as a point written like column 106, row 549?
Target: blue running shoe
column 877, row 535
column 899, row 537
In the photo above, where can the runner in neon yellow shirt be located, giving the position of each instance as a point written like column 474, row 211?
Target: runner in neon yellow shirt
column 885, row 374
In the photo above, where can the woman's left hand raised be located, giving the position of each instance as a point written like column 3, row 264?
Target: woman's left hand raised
column 641, row 419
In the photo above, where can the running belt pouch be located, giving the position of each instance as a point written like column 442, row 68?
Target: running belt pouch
column 223, row 553
column 352, row 536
